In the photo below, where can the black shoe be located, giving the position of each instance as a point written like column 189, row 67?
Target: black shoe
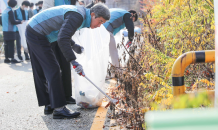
column 27, row 59
column 14, row 61
column 20, row 58
column 65, row 113
column 70, row 100
column 48, row 110
column 7, row 61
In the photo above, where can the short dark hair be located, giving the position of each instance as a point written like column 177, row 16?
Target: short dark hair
column 26, row 3
column 12, row 3
column 36, row 4
column 103, row 1
column 40, row 2
column 31, row 4
column 134, row 14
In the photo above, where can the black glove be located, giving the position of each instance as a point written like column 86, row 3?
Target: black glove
column 78, row 68
column 78, row 49
column 128, row 44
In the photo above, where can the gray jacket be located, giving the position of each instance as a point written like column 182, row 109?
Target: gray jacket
column 30, row 13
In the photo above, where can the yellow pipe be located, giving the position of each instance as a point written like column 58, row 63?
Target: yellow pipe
column 210, row 56
column 185, row 60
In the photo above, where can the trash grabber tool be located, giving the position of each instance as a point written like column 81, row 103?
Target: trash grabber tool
column 114, row 101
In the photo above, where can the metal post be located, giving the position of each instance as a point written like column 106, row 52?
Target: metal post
column 185, row 60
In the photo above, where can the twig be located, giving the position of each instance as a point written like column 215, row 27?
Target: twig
column 137, row 73
column 189, row 9
column 209, row 4
column 153, row 34
column 117, row 67
column 130, row 54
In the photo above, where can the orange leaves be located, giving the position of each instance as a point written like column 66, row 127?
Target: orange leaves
column 187, row 72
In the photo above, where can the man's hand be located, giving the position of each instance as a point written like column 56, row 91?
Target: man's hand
column 78, row 68
column 78, row 49
column 128, row 44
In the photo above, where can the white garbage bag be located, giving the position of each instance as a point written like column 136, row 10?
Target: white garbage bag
column 122, row 50
column 22, row 29
column 94, row 60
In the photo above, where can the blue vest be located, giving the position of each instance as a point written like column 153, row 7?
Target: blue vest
column 48, row 22
column 7, row 25
column 116, row 23
column 62, row 2
column 35, row 11
column 19, row 14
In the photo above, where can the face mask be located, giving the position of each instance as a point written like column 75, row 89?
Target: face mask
column 37, row 7
column 25, row 8
column 40, row 7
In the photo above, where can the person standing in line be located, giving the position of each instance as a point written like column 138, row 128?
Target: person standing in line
column 36, row 10
column 30, row 11
column 9, row 31
column 21, row 14
column 38, row 7
column 40, row 4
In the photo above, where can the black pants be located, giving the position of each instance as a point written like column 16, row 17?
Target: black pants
column 65, row 69
column 9, row 49
column 18, row 45
column 46, row 71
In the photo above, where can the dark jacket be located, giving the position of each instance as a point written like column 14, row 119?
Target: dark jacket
column 129, row 25
column 67, row 31
column 30, row 13
column 67, row 27
column 73, row 2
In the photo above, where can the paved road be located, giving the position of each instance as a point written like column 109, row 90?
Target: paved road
column 18, row 103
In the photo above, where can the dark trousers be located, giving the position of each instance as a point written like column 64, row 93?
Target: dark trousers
column 9, row 49
column 18, row 44
column 46, row 71
column 65, row 69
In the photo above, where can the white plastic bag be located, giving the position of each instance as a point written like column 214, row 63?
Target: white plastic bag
column 122, row 50
column 94, row 60
column 22, row 29
column 118, row 38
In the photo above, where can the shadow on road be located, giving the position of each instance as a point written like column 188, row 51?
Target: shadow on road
column 23, row 66
column 83, row 122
